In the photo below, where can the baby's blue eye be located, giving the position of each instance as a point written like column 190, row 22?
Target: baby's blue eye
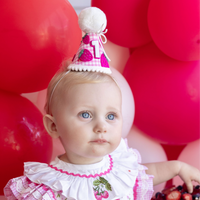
column 85, row 115
column 111, row 117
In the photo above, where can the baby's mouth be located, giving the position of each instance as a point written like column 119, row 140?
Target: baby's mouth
column 100, row 141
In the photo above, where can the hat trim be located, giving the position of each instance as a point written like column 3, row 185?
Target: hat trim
column 84, row 68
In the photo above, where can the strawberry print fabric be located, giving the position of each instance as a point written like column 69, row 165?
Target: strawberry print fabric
column 118, row 176
column 90, row 55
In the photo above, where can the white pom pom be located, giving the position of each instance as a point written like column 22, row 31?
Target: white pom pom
column 92, row 20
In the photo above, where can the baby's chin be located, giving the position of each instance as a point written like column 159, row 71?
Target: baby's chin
column 99, row 155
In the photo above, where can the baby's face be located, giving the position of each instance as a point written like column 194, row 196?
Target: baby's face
column 89, row 121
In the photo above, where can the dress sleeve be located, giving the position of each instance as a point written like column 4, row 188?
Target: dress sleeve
column 143, row 189
column 23, row 188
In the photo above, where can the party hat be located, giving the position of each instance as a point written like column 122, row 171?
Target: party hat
column 91, row 55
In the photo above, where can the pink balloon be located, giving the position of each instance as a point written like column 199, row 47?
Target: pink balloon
column 166, row 93
column 146, row 146
column 128, row 105
column 190, row 155
column 41, row 100
column 150, row 150
column 175, row 27
column 31, row 96
column 127, row 21
column 118, row 55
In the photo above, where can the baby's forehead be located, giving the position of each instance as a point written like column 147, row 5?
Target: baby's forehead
column 106, row 84
column 67, row 87
column 76, row 97
column 106, row 89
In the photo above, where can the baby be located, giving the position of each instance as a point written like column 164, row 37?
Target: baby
column 84, row 111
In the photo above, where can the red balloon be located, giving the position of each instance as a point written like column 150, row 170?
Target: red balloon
column 175, row 27
column 173, row 151
column 22, row 136
column 166, row 93
column 127, row 21
column 35, row 36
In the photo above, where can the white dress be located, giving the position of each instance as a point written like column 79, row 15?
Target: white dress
column 118, row 176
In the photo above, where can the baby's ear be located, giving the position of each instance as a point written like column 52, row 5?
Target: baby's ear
column 50, row 126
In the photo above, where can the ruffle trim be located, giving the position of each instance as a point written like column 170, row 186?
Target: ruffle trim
column 84, row 175
column 80, row 67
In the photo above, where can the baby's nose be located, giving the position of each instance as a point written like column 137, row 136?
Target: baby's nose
column 100, row 127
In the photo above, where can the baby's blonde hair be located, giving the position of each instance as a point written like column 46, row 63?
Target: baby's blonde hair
column 63, row 80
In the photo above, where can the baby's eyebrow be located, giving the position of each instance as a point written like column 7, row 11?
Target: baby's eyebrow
column 86, row 105
column 82, row 107
column 113, row 109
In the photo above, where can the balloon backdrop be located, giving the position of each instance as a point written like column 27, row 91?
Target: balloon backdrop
column 175, row 27
column 33, row 96
column 2, row 197
column 128, row 105
column 190, row 155
column 166, row 93
column 35, row 36
column 150, row 150
column 127, row 21
column 41, row 100
column 37, row 98
column 22, row 136
column 117, row 54
column 173, row 151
